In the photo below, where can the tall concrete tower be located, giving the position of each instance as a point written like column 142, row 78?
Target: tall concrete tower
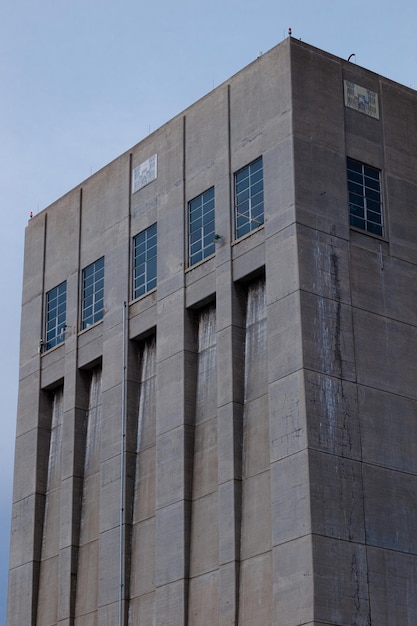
column 217, row 417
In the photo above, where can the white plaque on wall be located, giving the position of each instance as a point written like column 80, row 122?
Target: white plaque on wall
column 144, row 174
column 361, row 99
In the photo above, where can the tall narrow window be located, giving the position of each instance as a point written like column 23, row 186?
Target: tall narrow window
column 56, row 311
column 365, row 203
column 92, row 293
column 201, row 227
column 249, row 198
column 144, row 261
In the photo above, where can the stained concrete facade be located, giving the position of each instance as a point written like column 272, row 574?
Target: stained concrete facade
column 282, row 489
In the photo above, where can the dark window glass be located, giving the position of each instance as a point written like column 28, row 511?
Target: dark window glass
column 56, row 304
column 144, row 261
column 249, row 198
column 365, row 203
column 201, row 227
column 92, row 296
column 355, row 166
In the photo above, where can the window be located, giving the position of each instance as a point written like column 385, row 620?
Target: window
column 249, row 198
column 144, row 261
column 56, row 311
column 365, row 203
column 201, row 227
column 93, row 293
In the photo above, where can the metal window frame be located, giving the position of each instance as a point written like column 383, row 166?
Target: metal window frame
column 56, row 334
column 149, row 281
column 369, row 225
column 97, row 304
column 250, row 220
column 205, row 207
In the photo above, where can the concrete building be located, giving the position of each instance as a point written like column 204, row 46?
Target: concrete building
column 217, row 417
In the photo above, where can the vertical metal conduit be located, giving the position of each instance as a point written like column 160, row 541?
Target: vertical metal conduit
column 122, row 474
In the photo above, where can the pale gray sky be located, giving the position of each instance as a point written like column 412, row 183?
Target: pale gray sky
column 84, row 80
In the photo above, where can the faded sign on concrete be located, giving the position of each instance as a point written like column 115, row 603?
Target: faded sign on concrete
column 361, row 99
column 144, row 174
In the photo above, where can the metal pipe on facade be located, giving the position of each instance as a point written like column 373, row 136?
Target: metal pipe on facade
column 122, row 472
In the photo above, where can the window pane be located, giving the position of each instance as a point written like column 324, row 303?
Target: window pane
column 152, row 268
column 151, row 254
column 355, row 166
column 257, row 188
column 208, row 240
column 373, row 206
column 357, row 210
column 372, row 183
column 140, row 259
column 243, row 229
column 256, row 165
column 201, row 226
column 243, row 187
column 88, row 281
column 139, row 240
column 256, row 176
column 356, row 199
column 257, row 199
column 55, row 321
column 88, row 272
column 355, row 188
column 208, row 250
column 195, row 247
column 196, row 256
column 365, row 205
column 373, row 217
column 356, row 177
column 196, row 236
column 145, row 261
column 242, row 175
column 374, row 228
column 257, row 219
column 195, row 205
column 249, row 198
column 93, row 291
column 373, row 195
column 371, row 172
column 357, row 222
column 243, row 208
column 209, row 195
column 197, row 223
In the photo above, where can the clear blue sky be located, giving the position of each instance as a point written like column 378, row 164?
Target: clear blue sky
column 84, row 80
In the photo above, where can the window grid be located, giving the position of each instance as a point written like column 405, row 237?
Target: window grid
column 365, row 202
column 56, row 305
column 249, row 198
column 144, row 261
column 201, row 229
column 92, row 293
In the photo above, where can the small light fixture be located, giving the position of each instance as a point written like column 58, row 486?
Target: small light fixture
column 217, row 238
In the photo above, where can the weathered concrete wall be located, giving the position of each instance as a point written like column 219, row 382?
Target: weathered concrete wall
column 288, row 496
column 359, row 340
